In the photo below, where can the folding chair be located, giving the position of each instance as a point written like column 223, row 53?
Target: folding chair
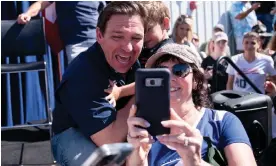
column 21, row 41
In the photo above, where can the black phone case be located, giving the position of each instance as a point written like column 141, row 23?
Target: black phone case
column 153, row 103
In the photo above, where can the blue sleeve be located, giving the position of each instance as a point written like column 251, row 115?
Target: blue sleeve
column 83, row 99
column 232, row 131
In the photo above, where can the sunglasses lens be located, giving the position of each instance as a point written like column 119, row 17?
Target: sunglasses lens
column 181, row 70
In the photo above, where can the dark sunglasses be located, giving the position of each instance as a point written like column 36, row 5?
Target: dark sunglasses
column 180, row 70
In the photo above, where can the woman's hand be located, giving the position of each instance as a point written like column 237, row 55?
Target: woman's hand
column 187, row 141
column 139, row 138
column 114, row 93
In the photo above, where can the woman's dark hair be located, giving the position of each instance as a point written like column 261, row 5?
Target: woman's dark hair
column 200, row 93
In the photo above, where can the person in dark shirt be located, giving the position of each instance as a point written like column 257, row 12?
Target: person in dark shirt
column 263, row 13
column 158, row 20
column 83, row 119
column 76, row 21
column 218, row 76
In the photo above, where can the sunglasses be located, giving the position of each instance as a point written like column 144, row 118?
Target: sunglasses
column 179, row 70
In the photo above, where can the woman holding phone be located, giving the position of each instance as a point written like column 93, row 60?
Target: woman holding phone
column 191, row 119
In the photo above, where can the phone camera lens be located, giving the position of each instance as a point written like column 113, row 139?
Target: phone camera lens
column 152, row 82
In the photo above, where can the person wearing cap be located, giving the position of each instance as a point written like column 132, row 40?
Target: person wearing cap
column 219, row 28
column 208, row 47
column 220, row 40
column 191, row 119
column 254, row 65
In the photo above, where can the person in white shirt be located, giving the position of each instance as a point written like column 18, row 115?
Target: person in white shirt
column 254, row 65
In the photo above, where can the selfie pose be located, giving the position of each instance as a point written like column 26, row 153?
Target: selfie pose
column 194, row 127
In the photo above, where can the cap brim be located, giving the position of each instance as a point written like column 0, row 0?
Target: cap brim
column 158, row 55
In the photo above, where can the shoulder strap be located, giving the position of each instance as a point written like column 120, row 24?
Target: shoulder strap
column 214, row 156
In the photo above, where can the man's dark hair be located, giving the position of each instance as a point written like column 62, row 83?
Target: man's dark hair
column 129, row 8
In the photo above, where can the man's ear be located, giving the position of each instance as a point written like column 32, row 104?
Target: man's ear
column 166, row 23
column 99, row 35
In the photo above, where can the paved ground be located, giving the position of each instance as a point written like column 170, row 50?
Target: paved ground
column 30, row 146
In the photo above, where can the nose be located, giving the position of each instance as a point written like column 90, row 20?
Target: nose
column 127, row 47
column 173, row 77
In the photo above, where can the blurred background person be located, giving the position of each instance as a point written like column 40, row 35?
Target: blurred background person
column 183, row 32
column 77, row 21
column 243, row 18
column 220, row 41
column 254, row 65
column 263, row 13
column 261, row 30
column 271, row 48
column 207, row 46
column 195, row 40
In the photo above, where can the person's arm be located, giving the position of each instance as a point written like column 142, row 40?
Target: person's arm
column 231, row 74
column 127, row 90
column 235, row 142
column 96, row 118
column 139, row 138
column 230, row 82
column 242, row 15
column 34, row 9
column 117, row 130
column 136, row 158
column 116, row 93
column 239, row 154
column 270, row 69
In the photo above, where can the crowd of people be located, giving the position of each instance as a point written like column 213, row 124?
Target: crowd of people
column 95, row 102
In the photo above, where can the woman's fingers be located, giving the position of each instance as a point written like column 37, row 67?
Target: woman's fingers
column 136, row 121
column 179, row 124
column 149, row 140
column 180, row 139
column 138, row 132
column 140, row 141
column 132, row 111
column 136, row 125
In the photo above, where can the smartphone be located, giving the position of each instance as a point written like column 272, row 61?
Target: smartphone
column 152, row 95
column 109, row 155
